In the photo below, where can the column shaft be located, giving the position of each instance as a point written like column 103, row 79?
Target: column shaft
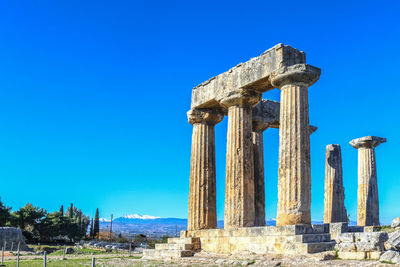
column 259, row 185
column 202, row 187
column 368, row 202
column 294, row 178
column 239, row 190
column 334, row 209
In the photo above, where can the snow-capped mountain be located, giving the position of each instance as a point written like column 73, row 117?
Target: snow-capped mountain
column 104, row 220
column 138, row 216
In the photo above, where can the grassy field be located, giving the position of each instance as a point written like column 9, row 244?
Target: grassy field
column 69, row 262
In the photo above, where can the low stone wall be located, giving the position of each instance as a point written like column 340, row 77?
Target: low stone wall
column 10, row 237
column 336, row 229
column 290, row 240
column 366, row 245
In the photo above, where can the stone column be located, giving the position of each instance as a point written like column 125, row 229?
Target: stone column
column 202, row 188
column 294, row 177
column 239, row 187
column 334, row 210
column 259, row 126
column 368, row 202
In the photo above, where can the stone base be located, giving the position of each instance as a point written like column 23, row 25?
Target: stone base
column 286, row 240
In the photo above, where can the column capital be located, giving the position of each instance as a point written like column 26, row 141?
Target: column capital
column 241, row 98
column 209, row 116
column 259, row 124
column 312, row 129
column 295, row 74
column 367, row 142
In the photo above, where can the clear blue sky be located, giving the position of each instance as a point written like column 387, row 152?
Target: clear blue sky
column 94, row 96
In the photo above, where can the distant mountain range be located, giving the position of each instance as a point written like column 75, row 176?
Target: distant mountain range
column 133, row 224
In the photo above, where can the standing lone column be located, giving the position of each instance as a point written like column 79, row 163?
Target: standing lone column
column 239, row 187
column 202, row 188
column 368, row 202
column 334, row 210
column 294, row 177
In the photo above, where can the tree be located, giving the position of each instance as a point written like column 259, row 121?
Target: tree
column 29, row 218
column 96, row 226
column 91, row 229
column 70, row 211
column 5, row 214
column 61, row 210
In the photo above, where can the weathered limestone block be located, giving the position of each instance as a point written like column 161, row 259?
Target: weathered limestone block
column 361, row 242
column 337, row 228
column 239, row 187
column 394, row 239
column 253, row 74
column 391, row 256
column 334, row 210
column 294, row 177
column 266, row 114
column 395, row 223
column 368, row 201
column 202, row 187
column 12, row 235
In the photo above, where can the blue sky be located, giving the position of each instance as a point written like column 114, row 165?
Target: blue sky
column 94, row 96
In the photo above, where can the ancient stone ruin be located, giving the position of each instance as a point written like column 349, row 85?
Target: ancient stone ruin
column 368, row 202
column 10, row 237
column 334, row 210
column 237, row 95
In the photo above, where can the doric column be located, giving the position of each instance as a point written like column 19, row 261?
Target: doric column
column 259, row 126
column 368, row 202
column 294, row 177
column 334, row 210
column 202, row 188
column 239, row 187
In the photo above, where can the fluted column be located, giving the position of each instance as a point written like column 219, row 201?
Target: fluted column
column 202, row 187
column 368, row 201
column 239, row 187
column 334, row 209
column 259, row 185
column 294, row 177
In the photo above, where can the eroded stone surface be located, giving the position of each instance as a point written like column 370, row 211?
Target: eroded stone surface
column 334, row 209
column 239, row 186
column 356, row 244
column 254, row 74
column 368, row 201
column 202, row 186
column 395, row 223
column 394, row 239
column 294, row 177
column 391, row 256
column 11, row 236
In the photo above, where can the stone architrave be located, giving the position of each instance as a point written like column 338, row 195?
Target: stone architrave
column 239, row 184
column 202, row 188
column 334, row 209
column 294, row 177
column 368, row 202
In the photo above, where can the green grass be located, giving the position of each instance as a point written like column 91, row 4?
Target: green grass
column 83, row 251
column 63, row 263
column 39, row 263
column 388, row 262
